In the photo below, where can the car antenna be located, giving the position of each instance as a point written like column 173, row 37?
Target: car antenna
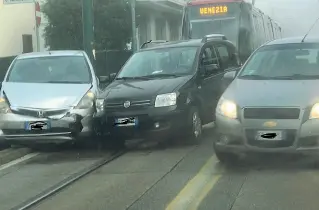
column 303, row 40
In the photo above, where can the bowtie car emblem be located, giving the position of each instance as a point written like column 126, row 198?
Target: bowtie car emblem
column 127, row 104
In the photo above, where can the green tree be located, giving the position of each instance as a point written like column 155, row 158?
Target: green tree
column 112, row 24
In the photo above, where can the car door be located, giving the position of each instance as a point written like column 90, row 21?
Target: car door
column 210, row 81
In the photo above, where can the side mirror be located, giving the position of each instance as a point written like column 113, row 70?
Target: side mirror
column 104, row 79
column 112, row 76
column 229, row 76
column 227, row 79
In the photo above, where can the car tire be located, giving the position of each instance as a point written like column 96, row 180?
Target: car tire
column 194, row 128
column 227, row 158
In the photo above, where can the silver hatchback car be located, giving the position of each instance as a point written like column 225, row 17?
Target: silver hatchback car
column 272, row 103
column 48, row 97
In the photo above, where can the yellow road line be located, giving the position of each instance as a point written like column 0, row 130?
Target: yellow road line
column 190, row 193
column 208, row 187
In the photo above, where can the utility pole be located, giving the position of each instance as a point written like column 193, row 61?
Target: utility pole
column 134, row 40
column 88, row 27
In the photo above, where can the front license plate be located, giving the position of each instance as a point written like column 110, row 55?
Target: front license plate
column 270, row 135
column 126, row 121
column 37, row 125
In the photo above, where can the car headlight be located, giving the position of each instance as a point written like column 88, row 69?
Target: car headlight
column 227, row 108
column 168, row 99
column 4, row 106
column 314, row 114
column 99, row 104
column 87, row 101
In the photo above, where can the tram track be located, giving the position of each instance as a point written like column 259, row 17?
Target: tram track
column 28, row 204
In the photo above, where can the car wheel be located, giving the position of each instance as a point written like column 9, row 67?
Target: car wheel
column 226, row 157
column 195, row 126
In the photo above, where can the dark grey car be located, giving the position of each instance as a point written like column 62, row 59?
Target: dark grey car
column 272, row 105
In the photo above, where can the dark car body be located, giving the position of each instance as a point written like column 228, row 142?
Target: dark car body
column 136, row 97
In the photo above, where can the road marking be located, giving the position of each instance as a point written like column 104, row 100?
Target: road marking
column 17, row 161
column 197, row 188
column 208, row 187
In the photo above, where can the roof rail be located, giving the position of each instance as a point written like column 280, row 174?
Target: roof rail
column 214, row 36
column 152, row 41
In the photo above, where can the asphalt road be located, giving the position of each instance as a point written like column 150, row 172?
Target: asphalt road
column 178, row 177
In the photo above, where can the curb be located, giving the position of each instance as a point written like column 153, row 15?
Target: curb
column 11, row 154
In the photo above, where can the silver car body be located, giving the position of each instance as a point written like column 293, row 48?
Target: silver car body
column 46, row 102
column 289, row 100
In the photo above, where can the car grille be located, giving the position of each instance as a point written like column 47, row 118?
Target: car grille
column 118, row 105
column 35, row 112
column 287, row 142
column 271, row 113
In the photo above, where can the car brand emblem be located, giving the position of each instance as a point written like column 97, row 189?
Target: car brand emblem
column 270, row 124
column 127, row 104
column 40, row 113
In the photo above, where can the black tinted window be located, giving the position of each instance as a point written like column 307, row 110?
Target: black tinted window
column 67, row 69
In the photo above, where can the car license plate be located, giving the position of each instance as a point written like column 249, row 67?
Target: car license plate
column 126, row 121
column 37, row 125
column 270, row 135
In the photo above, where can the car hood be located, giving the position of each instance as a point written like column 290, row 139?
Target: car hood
column 143, row 88
column 301, row 93
column 44, row 96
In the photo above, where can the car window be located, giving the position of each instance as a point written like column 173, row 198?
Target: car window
column 227, row 59
column 292, row 61
column 177, row 61
column 209, row 56
column 56, row 69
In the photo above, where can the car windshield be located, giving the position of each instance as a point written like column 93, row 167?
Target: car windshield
column 169, row 61
column 53, row 69
column 284, row 61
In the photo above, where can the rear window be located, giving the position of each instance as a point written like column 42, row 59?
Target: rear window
column 284, row 61
column 52, row 69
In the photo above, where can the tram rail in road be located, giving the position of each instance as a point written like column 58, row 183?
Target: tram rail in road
column 66, row 182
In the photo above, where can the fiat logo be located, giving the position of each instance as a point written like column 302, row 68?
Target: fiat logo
column 127, row 104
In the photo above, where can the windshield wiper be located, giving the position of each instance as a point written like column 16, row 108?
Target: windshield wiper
column 297, row 76
column 254, row 76
column 67, row 82
column 128, row 78
column 161, row 75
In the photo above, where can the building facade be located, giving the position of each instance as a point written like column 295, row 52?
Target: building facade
column 159, row 20
column 17, row 26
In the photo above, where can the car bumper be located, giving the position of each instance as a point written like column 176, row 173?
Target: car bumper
column 239, row 136
column 153, row 123
column 73, row 126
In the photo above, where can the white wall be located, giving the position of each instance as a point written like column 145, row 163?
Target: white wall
column 15, row 20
